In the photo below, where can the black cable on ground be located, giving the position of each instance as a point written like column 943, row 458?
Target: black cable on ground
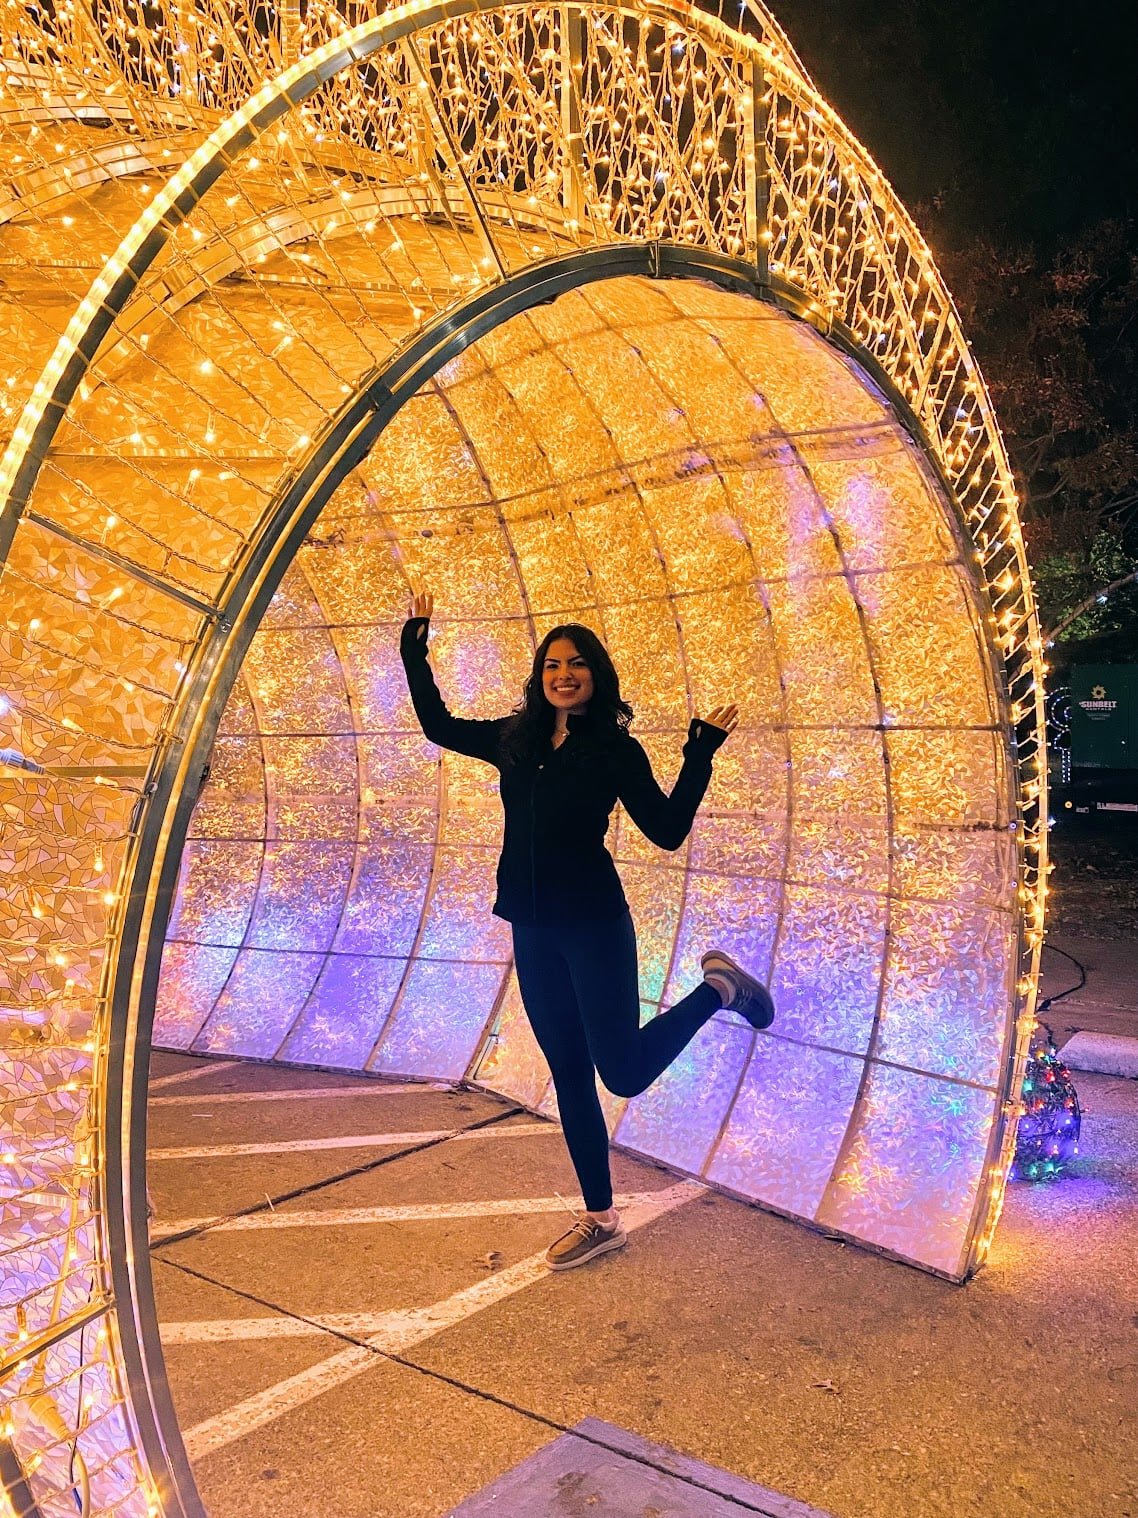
column 270, row 1203
column 1070, row 991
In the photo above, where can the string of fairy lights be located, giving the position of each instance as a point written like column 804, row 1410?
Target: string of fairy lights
column 501, row 137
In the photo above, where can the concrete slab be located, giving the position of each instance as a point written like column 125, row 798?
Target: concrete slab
column 847, row 1382
column 206, row 1378
column 227, row 1184
column 1102, row 1053
column 1108, row 1002
column 172, row 1067
column 537, row 1165
column 192, row 1115
column 363, row 1269
column 235, row 1074
column 393, row 1443
column 613, row 1473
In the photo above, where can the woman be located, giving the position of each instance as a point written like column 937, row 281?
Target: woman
column 565, row 758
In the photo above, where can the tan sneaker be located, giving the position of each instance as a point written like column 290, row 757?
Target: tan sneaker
column 586, row 1239
column 748, row 995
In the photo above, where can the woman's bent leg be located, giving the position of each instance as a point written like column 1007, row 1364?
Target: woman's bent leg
column 551, row 1007
column 606, row 980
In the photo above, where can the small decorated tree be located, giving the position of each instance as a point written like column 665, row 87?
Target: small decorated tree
column 1048, row 1135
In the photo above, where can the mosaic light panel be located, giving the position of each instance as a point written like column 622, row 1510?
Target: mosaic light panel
column 335, row 891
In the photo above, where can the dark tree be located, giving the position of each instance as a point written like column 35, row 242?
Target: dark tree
column 1057, row 336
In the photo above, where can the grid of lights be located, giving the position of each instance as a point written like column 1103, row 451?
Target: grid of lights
column 351, row 178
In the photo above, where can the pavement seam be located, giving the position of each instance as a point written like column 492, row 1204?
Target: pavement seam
column 270, row 1203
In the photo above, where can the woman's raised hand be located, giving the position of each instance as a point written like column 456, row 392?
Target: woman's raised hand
column 725, row 717
column 422, row 603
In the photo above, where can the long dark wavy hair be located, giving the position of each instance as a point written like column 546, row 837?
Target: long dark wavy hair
column 530, row 726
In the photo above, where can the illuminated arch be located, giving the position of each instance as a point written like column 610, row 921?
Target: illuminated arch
column 488, row 159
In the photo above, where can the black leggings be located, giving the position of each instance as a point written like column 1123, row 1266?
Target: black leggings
column 581, row 990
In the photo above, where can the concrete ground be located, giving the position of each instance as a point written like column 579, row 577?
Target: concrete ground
column 1108, row 1002
column 380, row 1337
column 1093, row 926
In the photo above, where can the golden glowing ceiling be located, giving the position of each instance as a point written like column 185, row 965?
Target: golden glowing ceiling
column 271, row 283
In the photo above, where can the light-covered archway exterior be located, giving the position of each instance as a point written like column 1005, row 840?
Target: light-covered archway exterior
column 278, row 271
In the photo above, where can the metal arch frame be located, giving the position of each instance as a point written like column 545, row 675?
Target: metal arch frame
column 344, row 441
column 110, row 292
column 33, row 192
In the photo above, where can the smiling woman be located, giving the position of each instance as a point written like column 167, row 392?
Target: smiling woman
column 426, row 301
column 566, row 758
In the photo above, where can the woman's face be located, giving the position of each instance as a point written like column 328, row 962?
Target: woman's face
column 565, row 678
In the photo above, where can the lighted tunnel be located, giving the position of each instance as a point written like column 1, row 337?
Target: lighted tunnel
column 716, row 491
column 594, row 313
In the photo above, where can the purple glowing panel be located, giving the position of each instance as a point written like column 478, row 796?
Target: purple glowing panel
column 678, row 1118
column 738, row 915
column 828, row 966
column 216, row 885
column 655, row 898
column 193, row 977
column 457, row 922
column 910, row 1167
column 301, row 897
column 260, row 1003
column 439, row 1021
column 513, row 1064
column 786, row 1128
column 345, row 1014
column 946, row 981
column 381, row 915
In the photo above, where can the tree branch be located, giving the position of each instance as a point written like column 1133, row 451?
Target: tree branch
column 1097, row 599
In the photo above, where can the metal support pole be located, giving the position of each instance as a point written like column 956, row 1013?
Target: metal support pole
column 435, row 127
column 756, row 115
column 571, row 24
column 289, row 13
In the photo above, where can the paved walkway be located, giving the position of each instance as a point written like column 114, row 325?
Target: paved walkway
column 359, row 1325
column 1108, row 1003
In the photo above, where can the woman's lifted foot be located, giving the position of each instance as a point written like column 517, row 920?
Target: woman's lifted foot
column 587, row 1238
column 741, row 992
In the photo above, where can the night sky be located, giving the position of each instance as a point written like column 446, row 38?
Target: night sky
column 1009, row 118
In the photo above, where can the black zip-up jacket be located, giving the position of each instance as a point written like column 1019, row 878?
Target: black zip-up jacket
column 554, row 864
